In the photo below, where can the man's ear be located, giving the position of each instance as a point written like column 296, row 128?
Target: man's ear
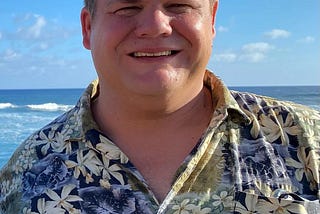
column 86, row 27
column 214, row 13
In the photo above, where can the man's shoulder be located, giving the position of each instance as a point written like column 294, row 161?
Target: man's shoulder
column 280, row 121
column 39, row 147
column 281, row 132
column 60, row 129
column 262, row 104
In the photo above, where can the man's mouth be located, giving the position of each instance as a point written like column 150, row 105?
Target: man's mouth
column 154, row 54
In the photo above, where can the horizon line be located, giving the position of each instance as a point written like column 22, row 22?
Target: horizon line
column 228, row 86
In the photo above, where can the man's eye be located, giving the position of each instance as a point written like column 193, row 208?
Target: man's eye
column 179, row 8
column 127, row 11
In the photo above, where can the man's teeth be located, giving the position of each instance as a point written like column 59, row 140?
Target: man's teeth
column 142, row 54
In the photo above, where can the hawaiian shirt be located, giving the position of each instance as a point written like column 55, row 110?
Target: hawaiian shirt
column 258, row 155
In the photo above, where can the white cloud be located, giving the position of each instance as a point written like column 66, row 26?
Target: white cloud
column 257, row 47
column 222, row 29
column 253, row 57
column 43, row 46
column 9, row 55
column 35, row 30
column 251, row 52
column 32, row 35
column 307, row 39
column 225, row 57
column 37, row 49
column 255, row 52
column 34, row 27
column 278, row 33
column 35, row 64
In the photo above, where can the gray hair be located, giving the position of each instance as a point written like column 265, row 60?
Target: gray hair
column 91, row 6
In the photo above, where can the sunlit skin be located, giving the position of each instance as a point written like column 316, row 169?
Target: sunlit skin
column 121, row 28
column 151, row 56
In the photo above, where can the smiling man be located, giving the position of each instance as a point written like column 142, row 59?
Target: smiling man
column 151, row 59
column 159, row 133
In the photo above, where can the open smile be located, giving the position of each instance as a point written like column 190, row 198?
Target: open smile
column 154, row 54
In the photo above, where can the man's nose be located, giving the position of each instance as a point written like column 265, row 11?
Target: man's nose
column 153, row 24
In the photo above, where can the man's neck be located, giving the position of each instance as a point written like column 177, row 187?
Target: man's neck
column 115, row 114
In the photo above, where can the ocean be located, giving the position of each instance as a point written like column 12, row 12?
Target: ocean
column 24, row 111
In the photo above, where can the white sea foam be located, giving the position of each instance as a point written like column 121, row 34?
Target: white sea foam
column 6, row 105
column 316, row 107
column 50, row 107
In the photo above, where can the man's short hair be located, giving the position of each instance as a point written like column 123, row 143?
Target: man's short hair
column 91, row 6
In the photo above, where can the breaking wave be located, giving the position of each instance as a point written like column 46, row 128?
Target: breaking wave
column 6, row 105
column 38, row 107
column 50, row 107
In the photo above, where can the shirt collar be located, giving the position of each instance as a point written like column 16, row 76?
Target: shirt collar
column 225, row 103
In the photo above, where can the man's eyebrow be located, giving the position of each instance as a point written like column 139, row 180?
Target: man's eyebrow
column 122, row 1
column 130, row 1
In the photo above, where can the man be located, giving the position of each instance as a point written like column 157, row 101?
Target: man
column 158, row 133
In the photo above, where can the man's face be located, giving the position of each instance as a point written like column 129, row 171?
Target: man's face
column 149, row 46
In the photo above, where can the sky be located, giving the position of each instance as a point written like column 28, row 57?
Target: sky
column 258, row 43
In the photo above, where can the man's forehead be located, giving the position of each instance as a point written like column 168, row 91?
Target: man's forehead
column 111, row 2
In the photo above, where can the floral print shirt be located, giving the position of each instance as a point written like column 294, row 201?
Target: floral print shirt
column 258, row 155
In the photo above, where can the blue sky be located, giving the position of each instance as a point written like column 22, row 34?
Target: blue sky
column 258, row 43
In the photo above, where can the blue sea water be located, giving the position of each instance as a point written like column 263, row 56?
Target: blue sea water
column 24, row 111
